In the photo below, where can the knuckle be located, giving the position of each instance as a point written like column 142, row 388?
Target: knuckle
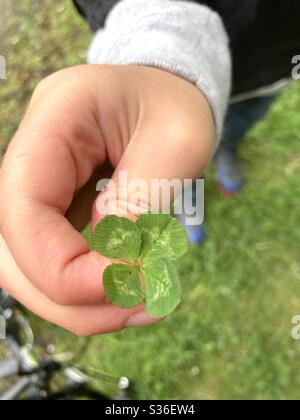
column 182, row 135
column 56, row 292
column 46, row 84
column 55, row 81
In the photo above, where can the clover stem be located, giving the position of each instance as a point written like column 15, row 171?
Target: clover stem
column 141, row 278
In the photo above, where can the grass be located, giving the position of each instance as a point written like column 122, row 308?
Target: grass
column 231, row 336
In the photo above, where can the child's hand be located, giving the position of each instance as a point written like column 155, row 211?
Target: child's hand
column 145, row 121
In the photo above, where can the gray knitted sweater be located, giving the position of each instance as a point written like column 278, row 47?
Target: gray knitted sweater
column 153, row 33
column 209, row 42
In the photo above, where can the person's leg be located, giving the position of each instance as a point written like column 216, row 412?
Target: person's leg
column 240, row 119
column 192, row 198
column 196, row 233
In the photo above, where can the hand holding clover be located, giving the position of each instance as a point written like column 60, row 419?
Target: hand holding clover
column 81, row 123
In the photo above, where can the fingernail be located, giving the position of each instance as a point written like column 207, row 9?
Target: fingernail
column 141, row 319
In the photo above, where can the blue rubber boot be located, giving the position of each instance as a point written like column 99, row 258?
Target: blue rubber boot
column 230, row 176
column 196, row 234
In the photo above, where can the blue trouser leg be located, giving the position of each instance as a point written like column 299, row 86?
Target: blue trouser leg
column 241, row 117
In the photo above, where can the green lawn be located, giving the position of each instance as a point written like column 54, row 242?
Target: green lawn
column 231, row 336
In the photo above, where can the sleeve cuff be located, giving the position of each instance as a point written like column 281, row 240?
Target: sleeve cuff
column 182, row 37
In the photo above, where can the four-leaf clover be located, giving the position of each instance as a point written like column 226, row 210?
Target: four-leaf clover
column 145, row 251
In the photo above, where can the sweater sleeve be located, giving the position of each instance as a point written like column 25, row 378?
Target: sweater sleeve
column 181, row 37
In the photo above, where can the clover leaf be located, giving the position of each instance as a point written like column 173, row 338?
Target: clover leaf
column 162, row 287
column 144, row 271
column 122, row 285
column 118, row 238
column 162, row 237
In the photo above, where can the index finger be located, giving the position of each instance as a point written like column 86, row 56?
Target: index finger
column 47, row 162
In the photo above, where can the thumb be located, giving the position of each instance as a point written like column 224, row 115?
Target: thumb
column 160, row 156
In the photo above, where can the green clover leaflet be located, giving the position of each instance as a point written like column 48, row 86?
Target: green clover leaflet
column 145, row 251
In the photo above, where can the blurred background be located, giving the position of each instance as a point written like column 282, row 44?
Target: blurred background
column 231, row 336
